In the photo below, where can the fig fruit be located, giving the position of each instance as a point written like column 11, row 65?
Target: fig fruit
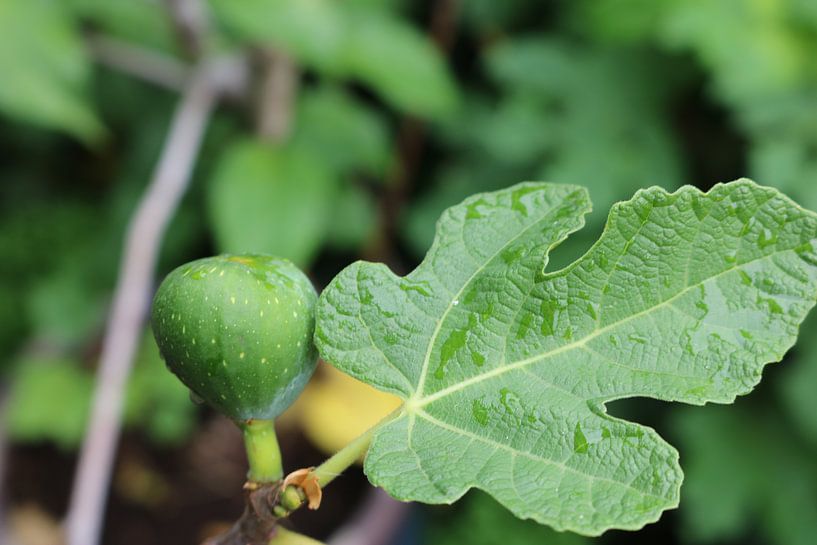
column 237, row 330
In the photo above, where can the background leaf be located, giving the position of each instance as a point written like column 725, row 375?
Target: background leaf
column 155, row 400
column 797, row 385
column 312, row 31
column 419, row 83
column 267, row 200
column 743, row 474
column 480, row 520
column 351, row 41
column 347, row 134
column 140, row 21
column 45, row 69
column 31, row 415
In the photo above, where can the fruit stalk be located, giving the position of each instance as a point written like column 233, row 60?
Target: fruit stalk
column 263, row 453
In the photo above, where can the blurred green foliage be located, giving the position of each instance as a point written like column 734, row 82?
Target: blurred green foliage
column 348, row 40
column 611, row 94
column 52, row 396
column 45, row 68
column 746, row 474
column 479, row 520
column 558, row 112
column 38, row 384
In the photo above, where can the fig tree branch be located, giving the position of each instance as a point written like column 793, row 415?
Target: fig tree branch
column 190, row 23
column 229, row 74
column 157, row 68
column 270, row 502
column 130, row 303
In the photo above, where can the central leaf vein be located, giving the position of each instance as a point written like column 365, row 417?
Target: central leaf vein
column 497, row 371
column 438, row 327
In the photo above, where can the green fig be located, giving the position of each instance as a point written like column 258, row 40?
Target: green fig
column 237, row 330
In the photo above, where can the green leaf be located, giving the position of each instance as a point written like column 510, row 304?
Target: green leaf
column 65, row 307
column 311, row 30
column 32, row 412
column 141, row 21
column 398, row 61
column 617, row 139
column 354, row 219
column 365, row 43
column 788, row 159
column 45, row 68
column 271, row 200
column 774, row 55
column 619, row 20
column 506, row 369
column 797, row 386
column 490, row 17
column 343, row 131
column 156, row 400
column 454, row 183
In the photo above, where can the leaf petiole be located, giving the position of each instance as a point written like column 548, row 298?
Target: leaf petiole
column 336, row 464
column 351, row 453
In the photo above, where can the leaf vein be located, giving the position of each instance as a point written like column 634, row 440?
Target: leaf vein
column 438, row 327
column 500, row 446
column 578, row 343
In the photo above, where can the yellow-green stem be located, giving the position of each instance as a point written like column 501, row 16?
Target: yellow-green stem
column 263, row 454
column 344, row 458
column 293, row 496
column 351, row 453
column 287, row 537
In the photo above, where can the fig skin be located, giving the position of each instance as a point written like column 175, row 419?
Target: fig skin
column 237, row 331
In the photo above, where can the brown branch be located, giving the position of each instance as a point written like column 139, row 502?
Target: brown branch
column 265, row 506
column 258, row 522
column 130, row 304
column 5, row 538
column 411, row 140
column 443, row 24
column 190, row 23
column 275, row 94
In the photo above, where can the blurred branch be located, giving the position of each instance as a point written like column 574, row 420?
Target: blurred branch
column 411, row 138
column 130, row 304
column 277, row 88
column 162, row 70
column 443, row 25
column 228, row 75
column 376, row 522
column 5, row 538
column 190, row 21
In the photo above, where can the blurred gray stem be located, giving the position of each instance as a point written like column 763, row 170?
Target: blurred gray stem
column 5, row 539
column 130, row 304
column 275, row 94
column 190, row 21
column 375, row 523
column 159, row 69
